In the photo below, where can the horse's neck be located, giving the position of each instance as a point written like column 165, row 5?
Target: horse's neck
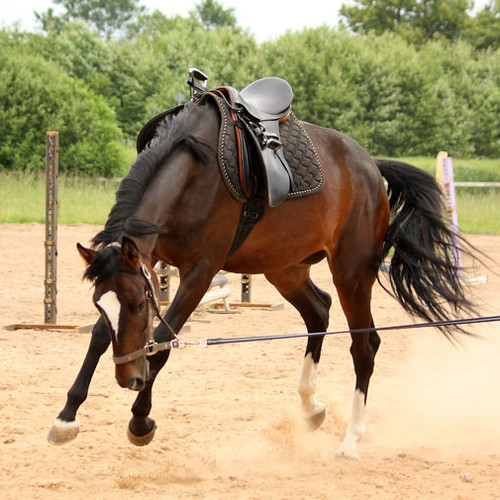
column 164, row 191
column 174, row 189
column 146, row 245
column 184, row 187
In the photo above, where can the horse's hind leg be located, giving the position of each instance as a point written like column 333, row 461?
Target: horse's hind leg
column 354, row 286
column 66, row 427
column 313, row 305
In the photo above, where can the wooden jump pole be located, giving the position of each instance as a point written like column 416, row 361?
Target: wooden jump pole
column 164, row 275
column 246, row 293
column 446, row 179
column 50, row 281
column 52, row 175
column 246, row 286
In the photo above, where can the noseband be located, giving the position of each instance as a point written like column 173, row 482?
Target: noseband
column 151, row 347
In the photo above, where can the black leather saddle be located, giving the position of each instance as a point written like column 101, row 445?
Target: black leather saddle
column 269, row 100
column 259, row 108
column 266, row 99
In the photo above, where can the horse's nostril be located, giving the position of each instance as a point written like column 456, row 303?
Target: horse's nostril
column 136, row 384
column 133, row 383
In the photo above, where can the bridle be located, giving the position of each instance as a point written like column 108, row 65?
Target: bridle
column 151, row 347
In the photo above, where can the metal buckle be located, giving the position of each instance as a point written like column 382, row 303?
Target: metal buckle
column 178, row 343
column 273, row 142
column 150, row 348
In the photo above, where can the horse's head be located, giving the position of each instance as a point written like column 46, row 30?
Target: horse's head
column 125, row 294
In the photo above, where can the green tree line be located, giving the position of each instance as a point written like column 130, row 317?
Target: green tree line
column 97, row 74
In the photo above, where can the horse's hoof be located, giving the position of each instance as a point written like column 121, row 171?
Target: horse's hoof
column 347, row 455
column 347, row 451
column 145, row 439
column 63, row 432
column 316, row 417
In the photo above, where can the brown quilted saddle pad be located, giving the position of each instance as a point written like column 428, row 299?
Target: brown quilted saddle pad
column 299, row 151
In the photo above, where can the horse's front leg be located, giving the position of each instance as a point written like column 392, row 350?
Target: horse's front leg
column 191, row 289
column 66, row 427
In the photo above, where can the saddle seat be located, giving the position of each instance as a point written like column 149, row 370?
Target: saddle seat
column 268, row 98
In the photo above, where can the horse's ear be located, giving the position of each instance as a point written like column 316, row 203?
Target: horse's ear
column 130, row 253
column 89, row 255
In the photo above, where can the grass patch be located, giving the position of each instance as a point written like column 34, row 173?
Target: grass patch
column 23, row 196
column 81, row 199
column 477, row 208
column 478, row 213
column 87, row 200
column 464, row 170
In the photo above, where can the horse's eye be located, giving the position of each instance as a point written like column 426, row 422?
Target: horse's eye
column 140, row 306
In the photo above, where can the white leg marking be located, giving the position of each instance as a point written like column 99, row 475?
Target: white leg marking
column 355, row 429
column 314, row 410
column 110, row 304
column 62, row 431
column 307, row 383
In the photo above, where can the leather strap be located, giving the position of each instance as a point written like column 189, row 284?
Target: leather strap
column 251, row 213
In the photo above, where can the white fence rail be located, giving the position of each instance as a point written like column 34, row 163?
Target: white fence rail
column 477, row 184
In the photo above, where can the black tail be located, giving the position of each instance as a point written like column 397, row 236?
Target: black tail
column 424, row 273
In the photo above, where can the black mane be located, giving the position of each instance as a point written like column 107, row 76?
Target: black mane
column 172, row 131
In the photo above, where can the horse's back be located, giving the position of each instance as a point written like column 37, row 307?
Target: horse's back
column 341, row 155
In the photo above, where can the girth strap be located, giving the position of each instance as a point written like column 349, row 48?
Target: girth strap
column 252, row 212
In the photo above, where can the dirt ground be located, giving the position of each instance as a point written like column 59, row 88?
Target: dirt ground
column 229, row 425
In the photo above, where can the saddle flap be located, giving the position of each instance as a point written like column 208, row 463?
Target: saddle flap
column 148, row 131
column 278, row 178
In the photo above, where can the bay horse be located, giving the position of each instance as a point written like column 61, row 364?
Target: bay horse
column 173, row 206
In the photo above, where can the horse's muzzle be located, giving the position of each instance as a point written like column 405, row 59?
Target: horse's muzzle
column 133, row 375
column 134, row 384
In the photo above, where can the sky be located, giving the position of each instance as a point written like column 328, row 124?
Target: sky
column 266, row 19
